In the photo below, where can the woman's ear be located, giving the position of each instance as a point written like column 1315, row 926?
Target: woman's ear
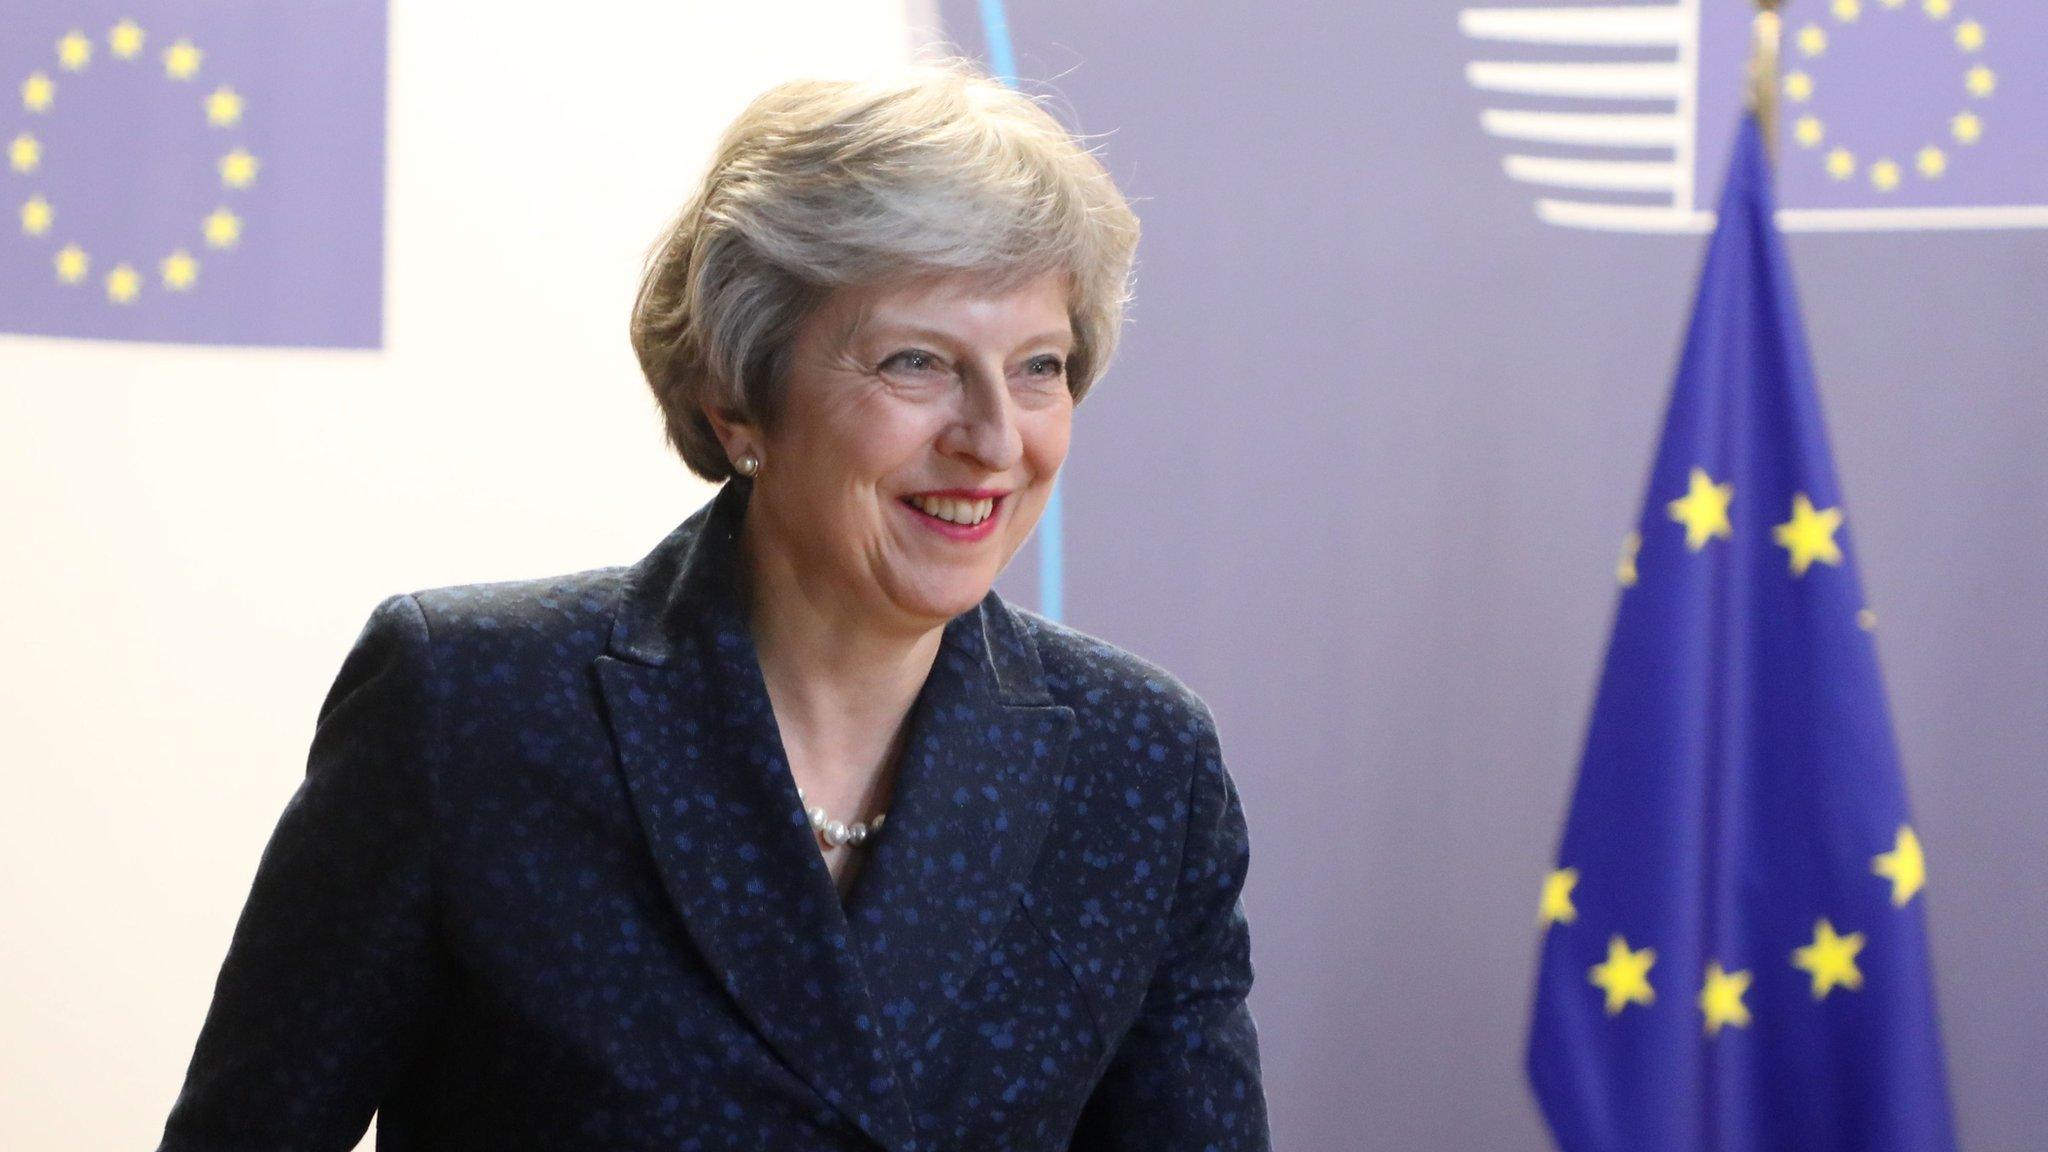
column 738, row 437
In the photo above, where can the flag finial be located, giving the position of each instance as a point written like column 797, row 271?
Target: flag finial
column 1766, row 31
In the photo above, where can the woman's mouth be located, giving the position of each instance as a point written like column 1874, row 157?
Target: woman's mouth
column 960, row 515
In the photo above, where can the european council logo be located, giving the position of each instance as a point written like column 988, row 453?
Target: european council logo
column 1897, row 114
column 204, row 173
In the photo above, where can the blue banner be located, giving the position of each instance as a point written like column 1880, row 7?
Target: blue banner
column 194, row 173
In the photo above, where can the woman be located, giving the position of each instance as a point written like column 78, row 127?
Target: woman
column 793, row 835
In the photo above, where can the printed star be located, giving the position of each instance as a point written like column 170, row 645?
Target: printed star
column 38, row 92
column 1557, row 897
column 126, row 40
column 1980, row 81
column 1813, row 40
column 1905, row 866
column 1866, row 619
column 74, row 51
column 180, row 270
column 1703, row 510
column 1969, row 36
column 123, row 284
column 1841, row 163
column 1625, row 976
column 1893, row 3
column 1831, row 960
column 1809, row 131
column 1809, row 535
column 224, row 108
column 1931, row 162
column 36, row 216
column 238, row 169
column 1625, row 569
column 1966, row 128
column 72, row 264
column 1939, row 9
column 1847, row 10
column 181, row 60
column 1721, row 999
column 1884, row 175
column 1798, row 87
column 25, row 153
column 223, row 228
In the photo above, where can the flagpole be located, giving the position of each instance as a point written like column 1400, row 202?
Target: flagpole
column 1766, row 31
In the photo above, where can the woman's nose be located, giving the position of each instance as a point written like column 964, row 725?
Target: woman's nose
column 987, row 426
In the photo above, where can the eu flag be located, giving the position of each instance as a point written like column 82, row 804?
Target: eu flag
column 1735, row 952
column 194, row 173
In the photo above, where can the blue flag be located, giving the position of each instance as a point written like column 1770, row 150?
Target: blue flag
column 194, row 173
column 1735, row 953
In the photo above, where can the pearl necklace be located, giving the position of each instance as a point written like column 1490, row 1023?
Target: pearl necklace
column 837, row 833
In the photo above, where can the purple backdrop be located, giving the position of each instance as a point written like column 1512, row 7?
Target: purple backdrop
column 1361, row 472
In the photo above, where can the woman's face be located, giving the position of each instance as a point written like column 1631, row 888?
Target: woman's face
column 921, row 427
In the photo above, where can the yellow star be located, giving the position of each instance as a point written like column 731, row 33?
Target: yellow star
column 1798, row 87
column 1831, row 959
column 238, row 169
column 25, row 153
column 1893, row 3
column 1980, row 81
column 1847, row 10
column 1813, row 40
column 123, row 284
column 72, row 264
column 1938, row 9
column 224, row 107
column 1884, row 175
column 36, row 216
column 1625, row 569
column 1931, row 162
column 180, row 270
column 223, row 228
column 1557, row 897
column 1721, row 999
column 1905, row 866
column 1625, row 976
column 1809, row 131
column 126, row 40
column 181, row 60
column 38, row 92
column 1841, row 163
column 1703, row 510
column 1809, row 535
column 1969, row 36
column 1866, row 619
column 74, row 51
column 1966, row 128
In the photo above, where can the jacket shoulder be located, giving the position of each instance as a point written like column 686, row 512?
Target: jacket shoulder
column 573, row 609
column 1098, row 679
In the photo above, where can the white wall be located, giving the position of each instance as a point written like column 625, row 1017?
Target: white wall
column 190, row 538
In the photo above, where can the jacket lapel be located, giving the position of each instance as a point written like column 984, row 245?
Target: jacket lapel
column 972, row 800
column 701, row 756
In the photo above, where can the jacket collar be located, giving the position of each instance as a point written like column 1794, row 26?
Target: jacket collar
column 843, row 992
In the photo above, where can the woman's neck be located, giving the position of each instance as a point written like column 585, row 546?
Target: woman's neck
column 842, row 688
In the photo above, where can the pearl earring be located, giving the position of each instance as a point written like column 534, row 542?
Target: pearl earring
column 747, row 464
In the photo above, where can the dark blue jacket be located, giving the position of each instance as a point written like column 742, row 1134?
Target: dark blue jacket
column 546, row 885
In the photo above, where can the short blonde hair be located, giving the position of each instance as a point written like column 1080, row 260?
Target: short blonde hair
column 822, row 184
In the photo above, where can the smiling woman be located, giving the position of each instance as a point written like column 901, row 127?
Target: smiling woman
column 575, row 861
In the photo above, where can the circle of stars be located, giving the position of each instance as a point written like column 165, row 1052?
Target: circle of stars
column 181, row 61
column 1887, row 173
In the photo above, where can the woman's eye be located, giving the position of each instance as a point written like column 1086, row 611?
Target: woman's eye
column 1050, row 367
column 912, row 360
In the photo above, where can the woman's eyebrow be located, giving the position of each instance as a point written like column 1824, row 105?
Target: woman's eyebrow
column 884, row 330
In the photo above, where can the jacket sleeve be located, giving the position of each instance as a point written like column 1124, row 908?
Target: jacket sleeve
column 328, row 981
column 1186, row 1074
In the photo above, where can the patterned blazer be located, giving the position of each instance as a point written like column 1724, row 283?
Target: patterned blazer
column 546, row 885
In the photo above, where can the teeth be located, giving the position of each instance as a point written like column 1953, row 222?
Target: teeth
column 946, row 508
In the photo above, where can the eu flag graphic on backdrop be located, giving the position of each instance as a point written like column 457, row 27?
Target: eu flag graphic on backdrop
column 208, row 173
column 1735, row 952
